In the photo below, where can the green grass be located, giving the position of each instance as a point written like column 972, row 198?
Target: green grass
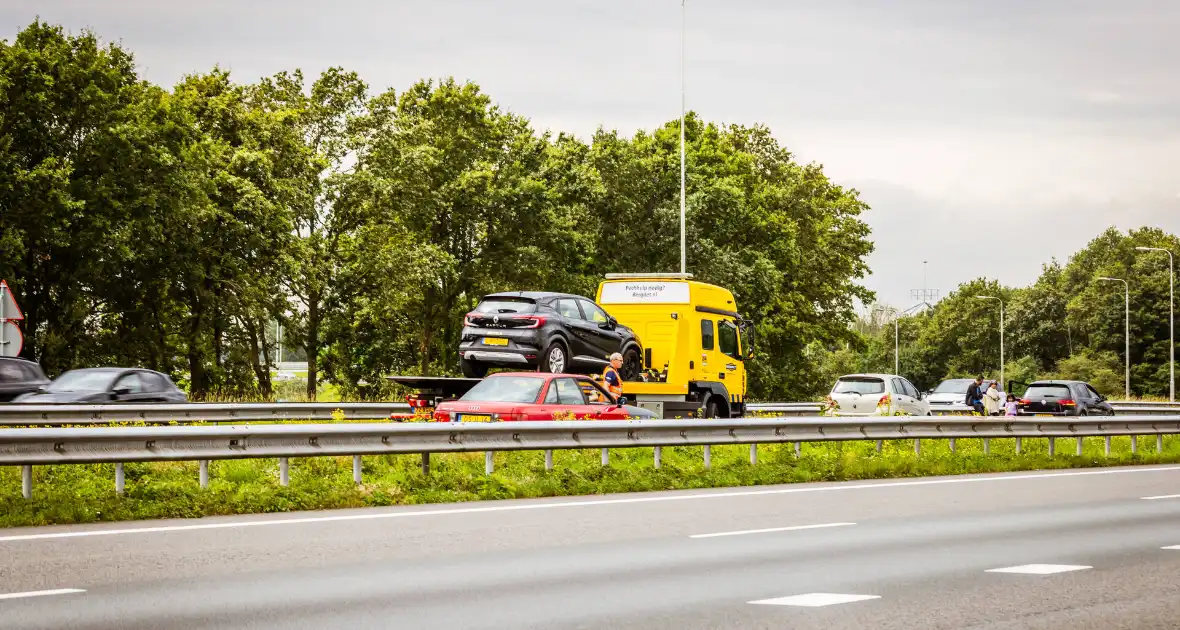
column 85, row 493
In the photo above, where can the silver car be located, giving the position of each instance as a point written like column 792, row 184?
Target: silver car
column 876, row 395
column 950, row 396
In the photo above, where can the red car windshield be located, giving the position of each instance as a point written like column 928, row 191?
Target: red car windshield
column 509, row 389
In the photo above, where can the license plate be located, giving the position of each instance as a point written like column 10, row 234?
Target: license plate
column 494, row 341
column 1044, row 415
column 466, row 417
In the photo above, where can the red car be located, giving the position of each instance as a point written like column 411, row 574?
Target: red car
column 537, row 396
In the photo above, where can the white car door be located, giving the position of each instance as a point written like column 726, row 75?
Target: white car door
column 902, row 401
column 921, row 406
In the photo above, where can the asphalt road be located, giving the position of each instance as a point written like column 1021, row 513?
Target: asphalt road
column 915, row 554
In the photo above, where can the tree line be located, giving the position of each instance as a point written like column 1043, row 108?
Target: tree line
column 173, row 227
column 1068, row 324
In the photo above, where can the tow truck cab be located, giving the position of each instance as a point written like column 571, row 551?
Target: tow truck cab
column 694, row 340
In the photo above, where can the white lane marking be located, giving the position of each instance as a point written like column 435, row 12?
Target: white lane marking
column 1041, row 569
column 59, row 591
column 1162, row 496
column 814, row 600
column 580, row 503
column 772, row 529
column 1172, row 547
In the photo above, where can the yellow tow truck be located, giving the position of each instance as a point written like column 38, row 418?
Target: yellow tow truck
column 695, row 343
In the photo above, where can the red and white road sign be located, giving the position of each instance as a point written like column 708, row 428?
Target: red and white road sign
column 11, row 339
column 8, row 306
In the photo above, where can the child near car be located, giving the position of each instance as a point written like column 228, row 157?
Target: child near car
column 1010, row 406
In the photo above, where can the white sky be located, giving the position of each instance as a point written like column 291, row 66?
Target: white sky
column 987, row 136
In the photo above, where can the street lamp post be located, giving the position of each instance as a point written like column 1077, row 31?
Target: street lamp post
column 1171, row 318
column 1003, row 383
column 1127, row 297
column 683, row 253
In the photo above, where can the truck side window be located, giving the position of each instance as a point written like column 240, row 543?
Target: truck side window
column 707, row 334
column 727, row 338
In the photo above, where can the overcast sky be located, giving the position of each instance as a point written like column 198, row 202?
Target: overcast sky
column 1038, row 123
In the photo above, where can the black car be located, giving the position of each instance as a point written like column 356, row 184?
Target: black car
column 106, row 385
column 18, row 376
column 550, row 332
column 1063, row 398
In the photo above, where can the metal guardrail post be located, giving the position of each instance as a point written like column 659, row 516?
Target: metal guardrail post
column 952, row 445
column 753, row 454
column 1080, row 446
column 1159, row 443
column 658, row 456
column 1134, row 445
column 356, row 470
column 798, row 450
column 917, row 447
column 26, row 481
column 489, row 462
column 549, row 459
column 606, row 457
column 987, row 446
column 1108, row 446
column 1018, row 446
column 284, row 472
column 708, row 457
column 1052, row 447
column 119, row 479
column 425, row 464
column 880, row 443
column 204, row 473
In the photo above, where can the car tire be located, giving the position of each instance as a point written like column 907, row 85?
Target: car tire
column 712, row 407
column 555, row 360
column 632, row 366
column 472, row 369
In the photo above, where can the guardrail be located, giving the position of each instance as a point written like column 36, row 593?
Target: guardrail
column 119, row 445
column 64, row 415
column 222, row 413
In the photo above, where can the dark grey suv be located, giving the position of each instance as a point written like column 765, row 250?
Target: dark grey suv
column 18, row 376
column 550, row 332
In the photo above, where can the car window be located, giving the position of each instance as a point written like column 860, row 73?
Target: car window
column 568, row 392
column 567, row 308
column 130, row 382
column 727, row 338
column 910, row 390
column 706, row 334
column 82, row 381
column 594, row 393
column 551, row 395
column 501, row 305
column 953, row 386
column 10, row 372
column 516, row 389
column 859, row 385
column 1093, row 392
column 593, row 313
column 153, row 382
column 1047, row 391
column 898, row 387
column 32, row 372
column 1080, row 391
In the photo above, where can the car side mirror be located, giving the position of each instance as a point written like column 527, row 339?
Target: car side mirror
column 122, row 391
column 622, row 401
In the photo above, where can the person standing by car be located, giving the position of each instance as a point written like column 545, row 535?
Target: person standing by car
column 1011, row 407
column 974, row 398
column 610, row 376
column 991, row 400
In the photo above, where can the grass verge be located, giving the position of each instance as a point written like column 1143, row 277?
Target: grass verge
column 85, row 493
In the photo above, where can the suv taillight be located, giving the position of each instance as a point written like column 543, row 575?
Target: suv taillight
column 467, row 319
column 535, row 321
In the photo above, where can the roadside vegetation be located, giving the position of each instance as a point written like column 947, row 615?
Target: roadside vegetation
column 85, row 493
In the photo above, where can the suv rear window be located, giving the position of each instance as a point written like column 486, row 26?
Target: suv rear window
column 1047, row 391
column 859, row 385
column 507, row 305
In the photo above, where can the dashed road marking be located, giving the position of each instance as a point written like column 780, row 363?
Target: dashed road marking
column 769, row 530
column 1041, row 569
column 1162, row 496
column 815, row 600
column 57, row 591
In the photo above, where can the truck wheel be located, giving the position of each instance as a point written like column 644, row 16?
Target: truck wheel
column 473, row 369
column 631, row 365
column 712, row 408
column 554, row 360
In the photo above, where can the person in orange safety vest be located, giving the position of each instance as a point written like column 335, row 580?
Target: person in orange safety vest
column 610, row 376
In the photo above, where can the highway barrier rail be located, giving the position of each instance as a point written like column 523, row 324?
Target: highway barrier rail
column 238, row 413
column 55, row 446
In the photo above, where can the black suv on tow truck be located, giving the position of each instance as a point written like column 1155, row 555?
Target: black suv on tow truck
column 550, row 332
